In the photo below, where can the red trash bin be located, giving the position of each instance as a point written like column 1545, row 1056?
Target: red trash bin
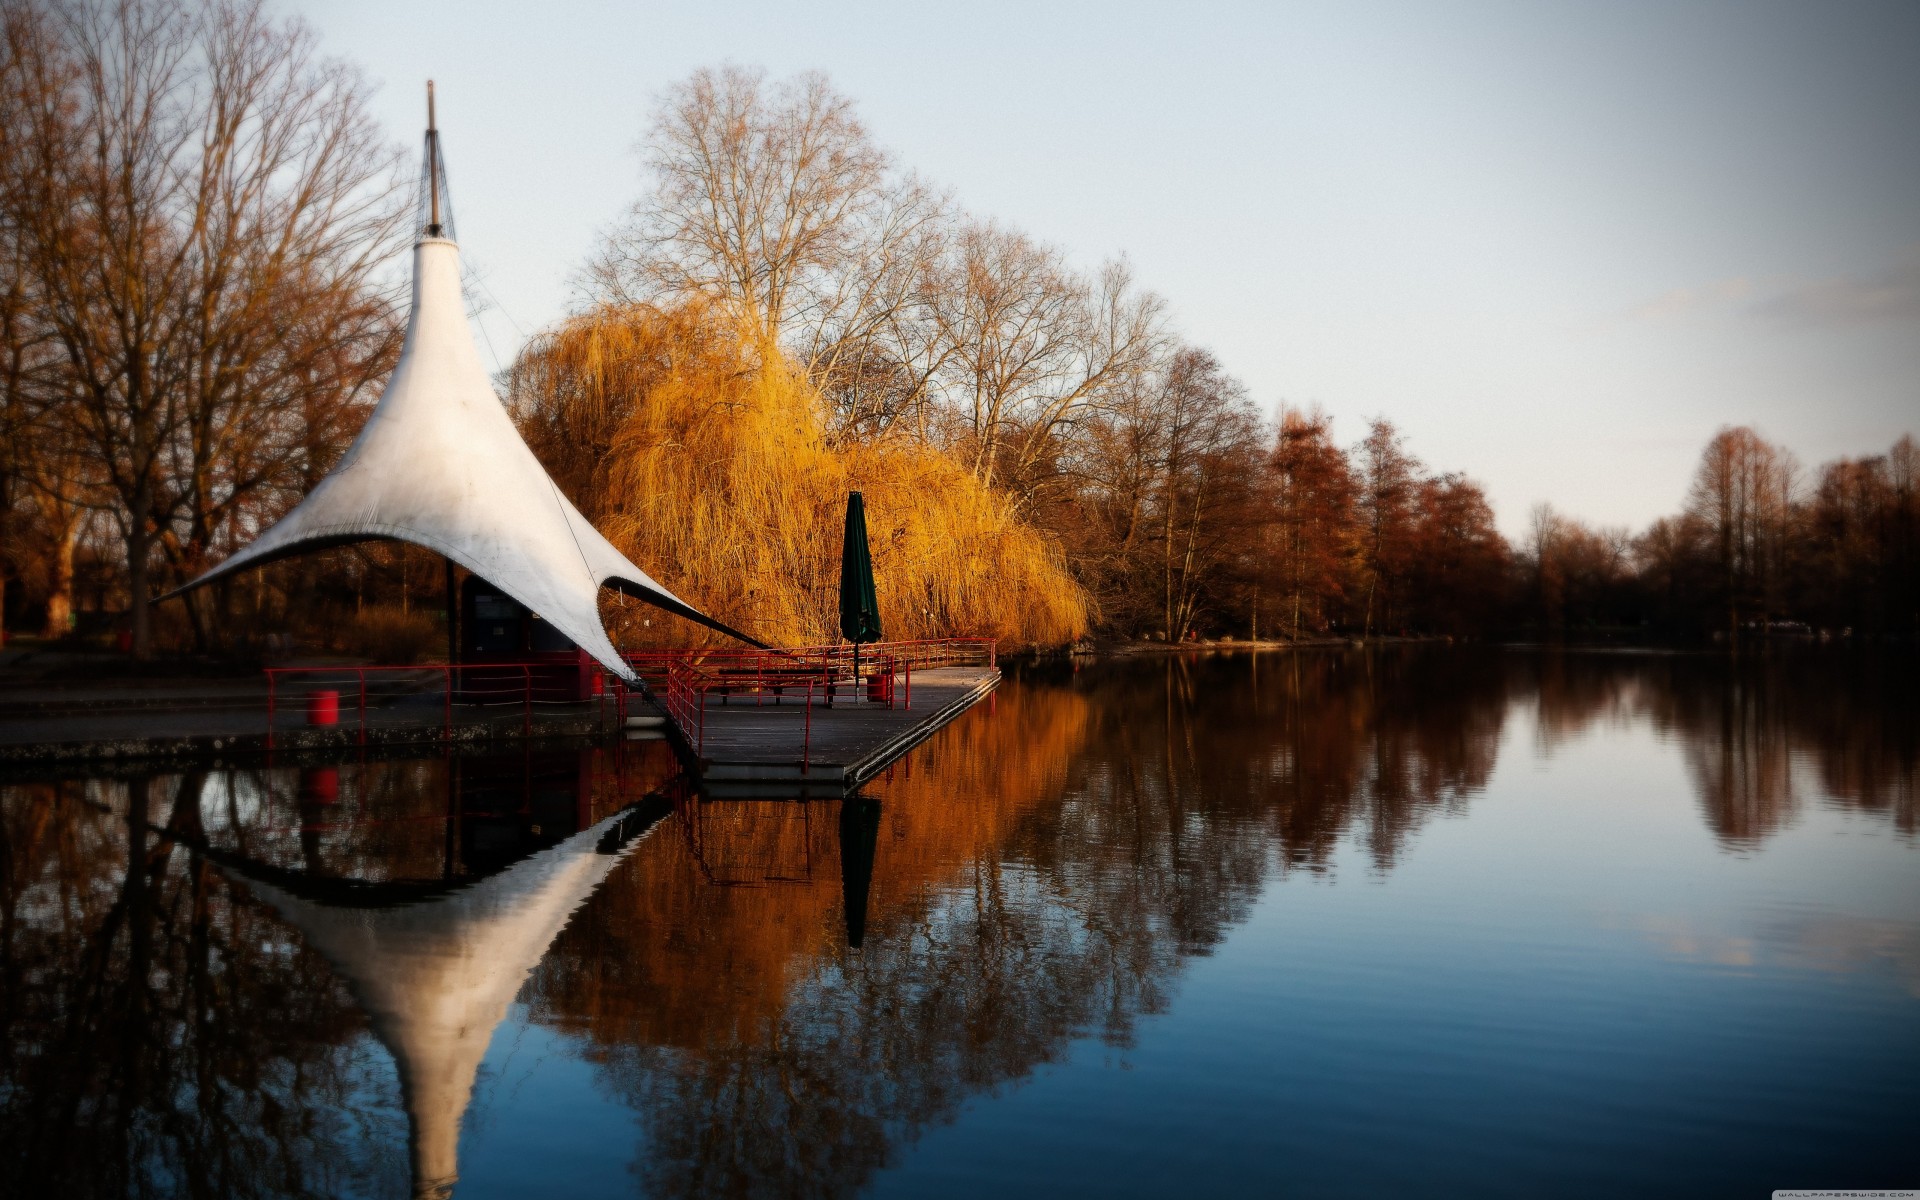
column 323, row 708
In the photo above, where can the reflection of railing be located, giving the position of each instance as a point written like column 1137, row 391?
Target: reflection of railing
column 489, row 686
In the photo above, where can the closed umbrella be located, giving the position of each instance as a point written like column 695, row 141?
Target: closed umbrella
column 859, row 607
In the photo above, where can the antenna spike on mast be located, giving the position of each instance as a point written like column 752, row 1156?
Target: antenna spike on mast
column 433, row 167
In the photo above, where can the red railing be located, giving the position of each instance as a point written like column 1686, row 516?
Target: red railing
column 881, row 673
column 684, row 681
column 688, row 686
column 492, row 686
column 837, row 661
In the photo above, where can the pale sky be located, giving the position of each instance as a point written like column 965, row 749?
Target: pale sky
column 1558, row 244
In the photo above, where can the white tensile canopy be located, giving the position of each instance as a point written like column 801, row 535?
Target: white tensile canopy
column 436, row 976
column 440, row 464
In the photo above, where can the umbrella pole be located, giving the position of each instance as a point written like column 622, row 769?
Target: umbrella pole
column 856, row 671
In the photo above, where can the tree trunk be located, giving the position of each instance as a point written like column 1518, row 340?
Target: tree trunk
column 60, row 598
column 139, row 614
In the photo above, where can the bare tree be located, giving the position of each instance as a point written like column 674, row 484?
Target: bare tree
column 204, row 204
column 1029, row 348
column 1744, row 495
column 1210, row 463
column 772, row 199
column 1167, row 496
column 1388, row 479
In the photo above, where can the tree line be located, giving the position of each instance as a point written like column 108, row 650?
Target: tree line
column 1179, row 508
column 199, row 223
column 196, row 211
column 1761, row 545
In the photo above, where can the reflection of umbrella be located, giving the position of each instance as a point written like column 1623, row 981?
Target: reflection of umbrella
column 859, row 607
column 859, row 838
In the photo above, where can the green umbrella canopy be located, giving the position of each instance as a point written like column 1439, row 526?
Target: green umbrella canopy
column 859, row 607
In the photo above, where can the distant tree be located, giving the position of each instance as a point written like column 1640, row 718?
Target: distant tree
column 1670, row 563
column 1903, row 536
column 1577, row 576
column 1028, row 349
column 1388, row 478
column 1314, row 521
column 1207, row 492
column 1460, row 562
column 1860, row 532
column 1743, row 495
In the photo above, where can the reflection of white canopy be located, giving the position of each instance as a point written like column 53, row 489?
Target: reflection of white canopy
column 440, row 464
column 435, row 977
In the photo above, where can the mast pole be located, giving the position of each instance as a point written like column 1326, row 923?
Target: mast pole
column 433, row 166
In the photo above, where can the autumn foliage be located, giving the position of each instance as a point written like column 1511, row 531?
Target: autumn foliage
column 700, row 452
column 784, row 315
column 1761, row 546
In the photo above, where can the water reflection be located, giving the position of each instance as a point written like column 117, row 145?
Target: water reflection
column 158, row 1031
column 205, row 975
column 1824, row 942
column 435, row 975
column 1760, row 734
column 162, row 1030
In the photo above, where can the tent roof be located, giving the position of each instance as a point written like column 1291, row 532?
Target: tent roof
column 440, row 464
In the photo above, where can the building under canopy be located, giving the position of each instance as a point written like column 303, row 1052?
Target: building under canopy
column 440, row 464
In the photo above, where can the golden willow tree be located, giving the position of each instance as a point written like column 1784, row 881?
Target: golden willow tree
column 764, row 338
column 701, row 450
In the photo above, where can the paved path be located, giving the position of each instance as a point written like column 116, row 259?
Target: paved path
column 190, row 719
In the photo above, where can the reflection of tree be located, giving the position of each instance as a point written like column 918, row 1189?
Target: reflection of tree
column 1031, row 876
column 1573, row 691
column 1749, row 725
column 1858, row 716
column 1739, row 759
column 1040, row 875
column 1315, row 747
column 157, row 1032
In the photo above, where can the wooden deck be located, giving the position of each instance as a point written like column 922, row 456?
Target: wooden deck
column 756, row 750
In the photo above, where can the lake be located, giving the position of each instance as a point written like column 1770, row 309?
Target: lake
column 1424, row 921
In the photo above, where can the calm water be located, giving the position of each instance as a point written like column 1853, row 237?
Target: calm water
column 1427, row 922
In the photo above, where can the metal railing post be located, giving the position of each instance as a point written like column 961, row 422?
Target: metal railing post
column 526, row 701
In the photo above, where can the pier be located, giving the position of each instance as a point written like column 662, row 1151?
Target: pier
column 767, row 749
column 804, row 722
column 817, row 720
